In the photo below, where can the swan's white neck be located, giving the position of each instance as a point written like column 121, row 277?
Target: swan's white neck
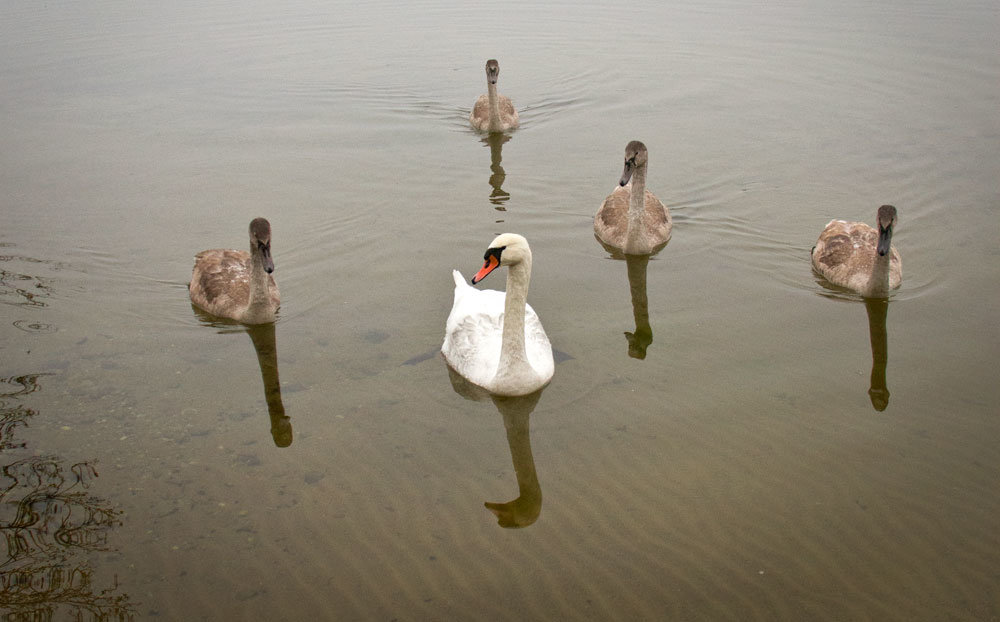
column 635, row 239
column 496, row 124
column 514, row 369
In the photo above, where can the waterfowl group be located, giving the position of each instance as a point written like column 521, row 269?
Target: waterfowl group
column 494, row 339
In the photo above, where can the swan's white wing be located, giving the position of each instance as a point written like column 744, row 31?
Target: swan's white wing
column 473, row 332
column 537, row 346
column 474, row 335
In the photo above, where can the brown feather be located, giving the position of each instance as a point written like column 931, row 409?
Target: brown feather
column 845, row 255
column 221, row 280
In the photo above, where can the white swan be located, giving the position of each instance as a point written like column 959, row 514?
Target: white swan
column 236, row 284
column 493, row 112
column 631, row 219
column 495, row 340
column 858, row 257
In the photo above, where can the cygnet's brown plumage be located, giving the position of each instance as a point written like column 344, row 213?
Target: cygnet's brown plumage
column 236, row 284
column 632, row 220
column 493, row 112
column 858, row 257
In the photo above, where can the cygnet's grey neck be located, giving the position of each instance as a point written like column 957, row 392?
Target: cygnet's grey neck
column 496, row 124
column 260, row 297
column 635, row 239
column 878, row 283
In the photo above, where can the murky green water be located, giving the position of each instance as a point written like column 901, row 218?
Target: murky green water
column 724, row 438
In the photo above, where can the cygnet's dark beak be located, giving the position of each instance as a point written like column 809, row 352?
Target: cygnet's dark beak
column 627, row 173
column 884, row 240
column 265, row 252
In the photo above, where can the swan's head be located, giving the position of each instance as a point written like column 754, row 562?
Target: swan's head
column 886, row 223
column 635, row 157
column 492, row 70
column 507, row 249
column 879, row 398
column 260, row 242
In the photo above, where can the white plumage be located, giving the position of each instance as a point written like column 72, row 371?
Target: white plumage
column 474, row 333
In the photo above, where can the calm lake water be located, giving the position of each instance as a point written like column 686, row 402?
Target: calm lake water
column 725, row 437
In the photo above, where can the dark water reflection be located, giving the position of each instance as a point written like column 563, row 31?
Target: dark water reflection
column 499, row 196
column 50, row 522
column 263, row 338
column 642, row 337
column 22, row 290
column 525, row 509
column 665, row 499
column 878, row 309
column 267, row 357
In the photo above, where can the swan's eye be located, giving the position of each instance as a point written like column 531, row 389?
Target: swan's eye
column 493, row 252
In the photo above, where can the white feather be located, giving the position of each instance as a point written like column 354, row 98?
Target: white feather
column 473, row 336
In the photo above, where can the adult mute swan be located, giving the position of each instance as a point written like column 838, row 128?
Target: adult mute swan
column 236, row 284
column 631, row 219
column 493, row 112
column 858, row 257
column 496, row 340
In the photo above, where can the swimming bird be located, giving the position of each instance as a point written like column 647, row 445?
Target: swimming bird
column 859, row 257
column 493, row 112
column 236, row 284
column 632, row 220
column 495, row 339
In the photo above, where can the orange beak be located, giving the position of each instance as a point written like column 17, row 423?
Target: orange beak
column 491, row 264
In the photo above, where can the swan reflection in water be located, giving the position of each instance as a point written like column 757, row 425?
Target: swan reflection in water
column 499, row 196
column 516, row 411
column 263, row 338
column 639, row 340
column 264, row 342
column 878, row 309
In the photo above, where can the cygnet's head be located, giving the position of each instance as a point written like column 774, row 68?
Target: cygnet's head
column 260, row 241
column 492, row 70
column 635, row 157
column 507, row 249
column 886, row 223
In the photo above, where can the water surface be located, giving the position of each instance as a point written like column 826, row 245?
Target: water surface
column 725, row 436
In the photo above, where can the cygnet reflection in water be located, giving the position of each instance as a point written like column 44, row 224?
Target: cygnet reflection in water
column 878, row 392
column 264, row 342
column 499, row 196
column 641, row 339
